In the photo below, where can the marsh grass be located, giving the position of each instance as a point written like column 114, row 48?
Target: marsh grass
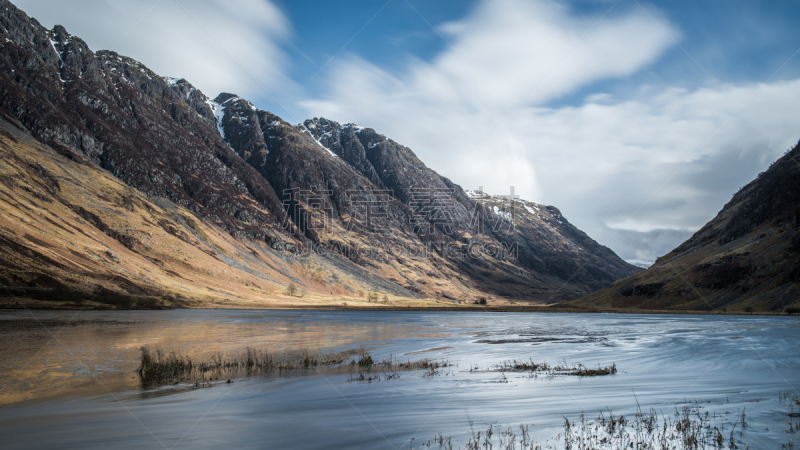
column 389, row 368
column 793, row 402
column 688, row 428
column 535, row 369
column 158, row 368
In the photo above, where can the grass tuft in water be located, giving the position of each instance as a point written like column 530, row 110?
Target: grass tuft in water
column 158, row 368
column 535, row 369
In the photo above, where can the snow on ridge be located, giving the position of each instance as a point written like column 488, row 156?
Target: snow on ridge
column 501, row 213
column 353, row 126
column 311, row 135
column 53, row 43
column 219, row 112
column 532, row 208
column 475, row 194
column 237, row 98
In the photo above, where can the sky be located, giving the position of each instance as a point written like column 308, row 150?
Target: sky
column 638, row 120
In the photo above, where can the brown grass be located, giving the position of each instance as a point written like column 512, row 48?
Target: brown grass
column 158, row 368
column 535, row 369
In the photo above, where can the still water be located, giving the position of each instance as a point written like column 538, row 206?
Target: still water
column 74, row 387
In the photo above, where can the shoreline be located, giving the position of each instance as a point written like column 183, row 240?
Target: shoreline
column 549, row 309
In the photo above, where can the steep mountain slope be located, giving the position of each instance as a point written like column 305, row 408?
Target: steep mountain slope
column 129, row 121
column 70, row 232
column 548, row 246
column 349, row 208
column 747, row 257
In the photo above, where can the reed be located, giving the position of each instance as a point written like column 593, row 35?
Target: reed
column 158, row 368
column 535, row 369
column 688, row 428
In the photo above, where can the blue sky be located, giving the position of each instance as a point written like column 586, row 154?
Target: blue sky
column 732, row 41
column 637, row 119
column 323, row 28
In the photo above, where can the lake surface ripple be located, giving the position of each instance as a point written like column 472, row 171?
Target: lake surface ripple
column 73, row 386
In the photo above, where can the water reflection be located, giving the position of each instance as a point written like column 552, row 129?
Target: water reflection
column 57, row 352
column 719, row 364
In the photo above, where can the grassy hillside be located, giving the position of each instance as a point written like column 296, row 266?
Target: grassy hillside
column 73, row 235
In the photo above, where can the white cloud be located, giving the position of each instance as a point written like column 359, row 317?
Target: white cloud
column 678, row 155
column 218, row 45
column 506, row 52
column 509, row 49
column 659, row 161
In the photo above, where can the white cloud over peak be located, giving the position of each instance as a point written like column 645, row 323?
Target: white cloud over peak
column 506, row 54
column 218, row 45
column 508, row 49
column 649, row 168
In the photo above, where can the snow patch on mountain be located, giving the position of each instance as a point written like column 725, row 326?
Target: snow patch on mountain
column 353, row 126
column 219, row 113
column 305, row 130
column 501, row 213
column 53, row 43
column 531, row 208
column 476, row 194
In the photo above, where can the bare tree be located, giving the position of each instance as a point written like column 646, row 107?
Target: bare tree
column 291, row 290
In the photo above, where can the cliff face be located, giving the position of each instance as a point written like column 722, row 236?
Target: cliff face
column 369, row 213
column 111, row 110
column 746, row 258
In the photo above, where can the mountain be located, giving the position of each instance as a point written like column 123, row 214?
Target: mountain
column 643, row 263
column 204, row 199
column 745, row 259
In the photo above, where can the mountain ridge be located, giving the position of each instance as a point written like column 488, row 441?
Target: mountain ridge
column 357, row 202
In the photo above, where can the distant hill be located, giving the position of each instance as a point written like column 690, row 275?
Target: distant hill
column 643, row 263
column 118, row 180
column 746, row 258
